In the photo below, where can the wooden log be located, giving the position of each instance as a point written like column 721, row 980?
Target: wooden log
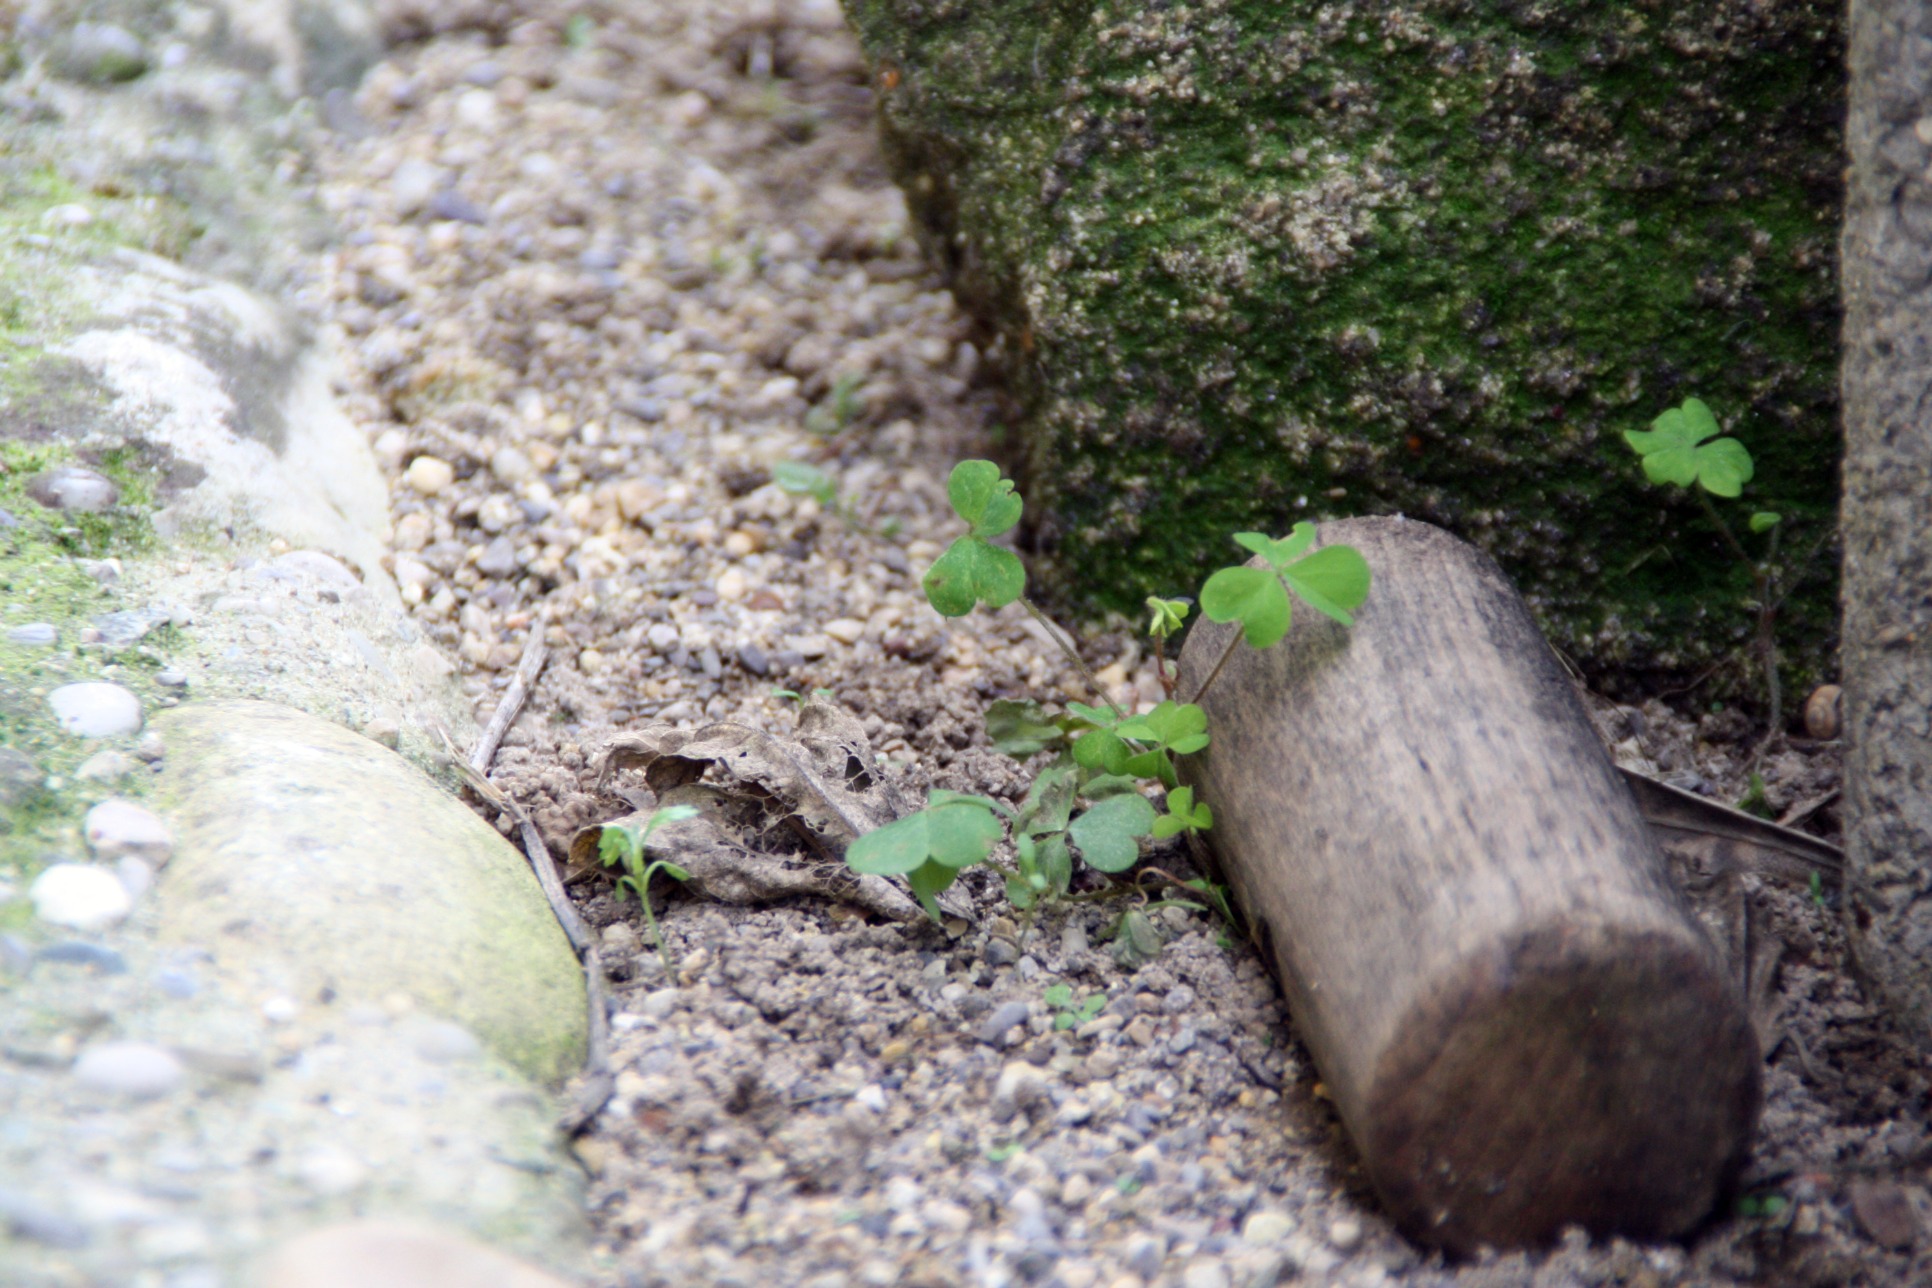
column 1518, row 1017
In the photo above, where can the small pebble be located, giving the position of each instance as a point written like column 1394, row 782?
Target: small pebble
column 753, row 659
column 135, row 875
column 171, row 678
column 280, row 1009
column 104, row 53
column 80, row 896
column 845, row 630
column 108, row 766
column 446, row 1042
column 1266, row 1227
column 78, row 952
column 429, row 475
column 1003, row 1019
column 119, row 827
column 33, row 635
column 1344, row 1233
column 76, row 488
column 96, row 709
column 139, row 1070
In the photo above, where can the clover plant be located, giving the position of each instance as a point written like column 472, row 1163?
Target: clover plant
column 623, row 844
column 1682, row 449
column 1087, row 801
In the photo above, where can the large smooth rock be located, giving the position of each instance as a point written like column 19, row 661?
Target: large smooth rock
column 1257, row 262
column 330, row 867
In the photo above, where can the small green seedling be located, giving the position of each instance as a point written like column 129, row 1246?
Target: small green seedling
column 623, row 844
column 1183, row 815
column 1168, row 616
column 1333, row 581
column 1682, row 449
column 840, row 407
column 1817, row 885
column 798, row 478
column 930, row 847
column 973, row 570
column 1070, row 1014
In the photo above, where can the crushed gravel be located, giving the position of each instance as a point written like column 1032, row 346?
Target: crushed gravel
column 601, row 270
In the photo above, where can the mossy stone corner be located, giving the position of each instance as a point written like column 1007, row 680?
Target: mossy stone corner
column 324, row 865
column 1253, row 263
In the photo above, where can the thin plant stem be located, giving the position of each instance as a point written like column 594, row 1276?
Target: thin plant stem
column 1767, row 641
column 1053, row 632
column 1226, row 653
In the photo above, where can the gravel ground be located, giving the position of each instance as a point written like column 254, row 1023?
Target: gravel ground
column 602, row 269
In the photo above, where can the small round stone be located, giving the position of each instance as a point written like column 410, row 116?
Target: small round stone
column 76, row 488
column 1003, row 1019
column 96, row 709
column 33, row 635
column 106, row 766
column 139, row 1070
column 118, row 827
column 1266, row 1228
column 429, row 475
column 1344, row 1233
column 79, row 895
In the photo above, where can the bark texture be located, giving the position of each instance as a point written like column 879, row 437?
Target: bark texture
column 1252, row 261
column 1888, row 505
column 1520, row 1021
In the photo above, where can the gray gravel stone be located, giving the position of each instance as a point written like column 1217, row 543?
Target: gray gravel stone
column 76, row 488
column 104, row 53
column 138, row 1070
column 79, row 952
column 79, row 896
column 116, row 828
column 1003, row 1020
column 33, row 635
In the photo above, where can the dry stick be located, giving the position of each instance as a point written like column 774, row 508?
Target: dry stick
column 1215, row 674
column 513, row 699
column 1053, row 633
column 598, row 1079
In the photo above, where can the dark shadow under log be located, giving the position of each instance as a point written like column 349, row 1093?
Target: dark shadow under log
column 1521, row 1023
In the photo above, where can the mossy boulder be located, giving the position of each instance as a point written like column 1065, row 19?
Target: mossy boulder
column 1252, row 262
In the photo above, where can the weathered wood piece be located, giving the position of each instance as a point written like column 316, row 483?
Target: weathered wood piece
column 1518, row 1017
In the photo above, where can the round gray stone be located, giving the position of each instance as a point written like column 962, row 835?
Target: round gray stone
column 139, row 1070
column 96, row 709
column 74, row 487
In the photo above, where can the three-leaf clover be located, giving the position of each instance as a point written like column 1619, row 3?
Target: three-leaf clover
column 973, row 570
column 930, row 847
column 1071, row 1014
column 1332, row 581
column 1183, row 815
column 1675, row 451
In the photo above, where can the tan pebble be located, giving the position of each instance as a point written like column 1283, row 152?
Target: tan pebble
column 383, row 730
column 1112, row 674
column 413, row 531
column 542, row 455
column 1824, row 712
column 1076, row 1191
column 429, row 474
column 413, row 572
column 590, row 661
column 765, row 601
column 512, row 466
column 897, row 1049
column 733, row 584
column 391, row 446
column 395, row 1254
column 845, row 630
column 635, row 497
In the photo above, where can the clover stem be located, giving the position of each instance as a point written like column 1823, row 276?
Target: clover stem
column 1767, row 642
column 1053, row 633
column 1215, row 674
column 1160, row 666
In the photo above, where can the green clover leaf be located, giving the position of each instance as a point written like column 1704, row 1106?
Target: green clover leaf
column 1332, row 581
column 799, row 479
column 1254, row 597
column 1675, row 451
column 1183, row 815
column 1022, row 728
column 1765, row 520
column 1168, row 616
column 973, row 572
column 1107, row 832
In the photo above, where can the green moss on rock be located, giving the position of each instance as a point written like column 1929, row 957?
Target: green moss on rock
column 1254, row 262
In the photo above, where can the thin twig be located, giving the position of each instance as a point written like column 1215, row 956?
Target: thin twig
column 1053, row 633
column 514, row 697
column 598, row 1082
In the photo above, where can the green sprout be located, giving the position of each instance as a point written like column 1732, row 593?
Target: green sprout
column 623, row 844
column 1681, row 449
column 1183, row 815
column 930, row 847
column 840, row 407
column 973, row 570
column 1071, row 1014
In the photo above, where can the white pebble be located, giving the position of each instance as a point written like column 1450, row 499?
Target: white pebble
column 95, row 709
column 330, row 1171
column 445, row 1042
column 105, row 766
column 280, row 1009
column 845, row 630
column 80, row 896
column 512, row 466
column 733, row 584
column 118, row 827
column 138, row 1069
column 429, row 474
column 1344, row 1233
column 1267, row 1227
